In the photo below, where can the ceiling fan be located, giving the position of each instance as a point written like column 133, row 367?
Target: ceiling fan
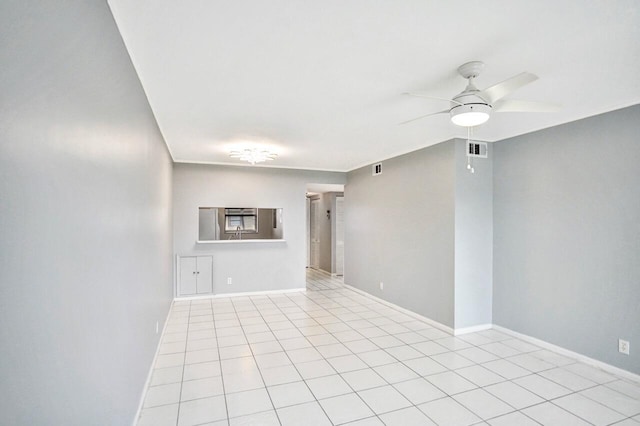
column 473, row 107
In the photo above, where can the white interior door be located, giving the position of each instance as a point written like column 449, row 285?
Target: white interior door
column 314, row 219
column 339, row 246
column 188, row 275
column 205, row 267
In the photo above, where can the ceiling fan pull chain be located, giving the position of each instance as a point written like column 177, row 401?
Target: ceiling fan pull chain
column 469, row 159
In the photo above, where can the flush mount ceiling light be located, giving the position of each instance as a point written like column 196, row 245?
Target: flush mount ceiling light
column 253, row 155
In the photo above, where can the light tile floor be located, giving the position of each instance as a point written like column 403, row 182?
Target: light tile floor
column 331, row 356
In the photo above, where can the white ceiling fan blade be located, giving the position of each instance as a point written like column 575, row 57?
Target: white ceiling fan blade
column 515, row 105
column 419, row 95
column 502, row 89
column 446, row 111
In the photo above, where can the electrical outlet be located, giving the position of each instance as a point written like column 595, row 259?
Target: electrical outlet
column 229, row 281
column 157, row 327
column 623, row 346
column 381, row 285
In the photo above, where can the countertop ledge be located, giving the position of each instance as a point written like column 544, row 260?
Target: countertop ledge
column 239, row 241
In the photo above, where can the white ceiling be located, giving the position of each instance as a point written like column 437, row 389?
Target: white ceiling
column 321, row 82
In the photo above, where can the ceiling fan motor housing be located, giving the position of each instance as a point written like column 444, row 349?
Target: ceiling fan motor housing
column 473, row 111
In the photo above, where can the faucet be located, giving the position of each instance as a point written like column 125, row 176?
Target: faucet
column 237, row 235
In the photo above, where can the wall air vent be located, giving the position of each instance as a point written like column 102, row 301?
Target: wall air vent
column 376, row 169
column 477, row 149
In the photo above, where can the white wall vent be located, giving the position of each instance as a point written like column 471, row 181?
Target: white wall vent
column 477, row 149
column 376, row 169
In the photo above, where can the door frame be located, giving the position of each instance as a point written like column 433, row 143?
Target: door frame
column 313, row 224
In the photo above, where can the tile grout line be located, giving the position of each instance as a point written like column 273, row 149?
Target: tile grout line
column 184, row 359
column 224, row 391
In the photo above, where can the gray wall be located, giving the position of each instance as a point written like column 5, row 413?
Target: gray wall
column 473, row 239
column 399, row 229
column 252, row 266
column 567, row 235
column 85, row 219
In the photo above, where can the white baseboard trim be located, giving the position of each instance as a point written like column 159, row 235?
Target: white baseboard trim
column 247, row 293
column 571, row 354
column 150, row 373
column 472, row 329
column 415, row 315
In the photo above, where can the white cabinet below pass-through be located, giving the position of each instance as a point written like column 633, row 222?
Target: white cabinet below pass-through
column 195, row 276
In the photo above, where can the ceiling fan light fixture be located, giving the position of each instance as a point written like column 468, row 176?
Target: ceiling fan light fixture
column 469, row 115
column 253, row 155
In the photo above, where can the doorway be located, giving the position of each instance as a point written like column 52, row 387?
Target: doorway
column 325, row 228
